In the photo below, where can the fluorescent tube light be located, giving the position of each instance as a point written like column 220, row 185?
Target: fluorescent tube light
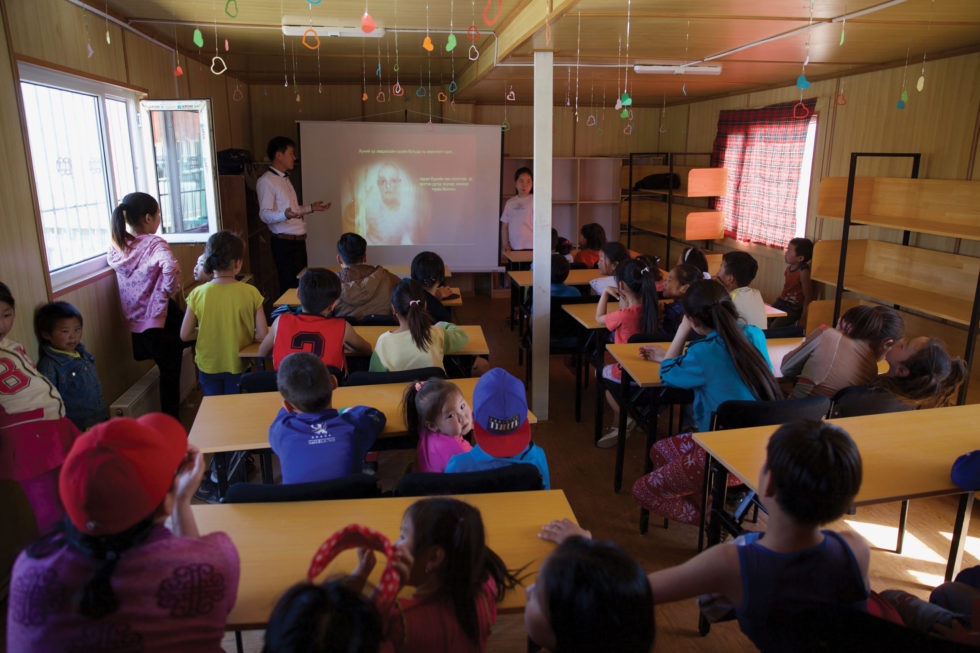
column 671, row 69
column 325, row 31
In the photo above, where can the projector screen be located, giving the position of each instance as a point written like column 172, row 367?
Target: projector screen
column 405, row 187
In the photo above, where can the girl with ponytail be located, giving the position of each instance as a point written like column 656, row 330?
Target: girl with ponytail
column 636, row 291
column 148, row 277
column 921, row 372
column 729, row 362
column 417, row 342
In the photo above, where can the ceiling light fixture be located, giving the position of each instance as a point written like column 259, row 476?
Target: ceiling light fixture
column 676, row 69
column 327, row 31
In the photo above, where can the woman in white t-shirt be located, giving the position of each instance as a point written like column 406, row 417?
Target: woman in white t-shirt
column 517, row 220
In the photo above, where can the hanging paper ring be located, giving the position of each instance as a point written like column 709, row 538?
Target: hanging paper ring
column 452, row 86
column 395, row 68
column 442, row 96
column 487, row 20
column 590, row 121
column 505, row 126
column 472, row 33
column 800, row 110
column 511, row 97
column 663, row 129
column 215, row 61
column 841, row 99
column 314, row 2
column 310, row 44
column 473, row 54
column 452, row 104
column 628, row 129
column 420, row 91
column 234, row 3
column 238, row 96
column 428, row 125
column 397, row 90
column 380, row 97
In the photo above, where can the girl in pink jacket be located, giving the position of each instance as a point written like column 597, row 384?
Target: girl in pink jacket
column 148, row 276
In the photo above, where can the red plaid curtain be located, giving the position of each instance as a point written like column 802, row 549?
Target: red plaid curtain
column 763, row 151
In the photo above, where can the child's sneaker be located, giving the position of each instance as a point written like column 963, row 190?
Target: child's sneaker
column 611, row 434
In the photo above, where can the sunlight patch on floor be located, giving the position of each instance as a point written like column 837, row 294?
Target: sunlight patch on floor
column 927, row 579
column 971, row 547
column 883, row 537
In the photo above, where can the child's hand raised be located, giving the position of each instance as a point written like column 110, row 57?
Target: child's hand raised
column 365, row 564
column 188, row 477
column 441, row 292
column 558, row 531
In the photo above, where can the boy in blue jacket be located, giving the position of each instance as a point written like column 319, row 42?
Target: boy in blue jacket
column 314, row 441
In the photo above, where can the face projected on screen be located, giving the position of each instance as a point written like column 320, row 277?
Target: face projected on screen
column 390, row 186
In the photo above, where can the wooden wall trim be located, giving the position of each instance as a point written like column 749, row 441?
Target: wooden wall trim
column 78, row 73
column 81, row 282
column 973, row 147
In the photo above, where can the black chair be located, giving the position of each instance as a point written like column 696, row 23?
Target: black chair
column 868, row 400
column 404, row 376
column 518, row 477
column 377, row 319
column 357, row 486
column 564, row 337
column 258, row 382
column 784, row 332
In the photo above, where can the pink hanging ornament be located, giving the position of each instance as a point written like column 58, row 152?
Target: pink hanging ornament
column 367, row 23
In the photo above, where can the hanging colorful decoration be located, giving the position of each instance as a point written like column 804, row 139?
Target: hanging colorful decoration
column 625, row 100
column 367, row 23
column 285, row 75
column 505, row 125
column 108, row 39
column 687, row 42
column 904, row 97
column 218, row 65
column 800, row 110
column 578, row 60
column 451, row 39
column 427, row 44
column 228, row 5
column 473, row 34
column 237, row 95
column 496, row 16
column 663, row 116
column 90, row 50
column 198, row 38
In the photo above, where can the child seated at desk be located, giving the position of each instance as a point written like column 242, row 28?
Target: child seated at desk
column 738, row 270
column 679, row 279
column 610, row 256
column 590, row 242
column 417, row 342
column 811, row 475
column 114, row 577
column 501, row 429
column 438, row 413
column 430, row 271
column 559, row 273
column 313, row 329
column 364, row 289
column 797, row 289
column 314, row 441
column 922, row 373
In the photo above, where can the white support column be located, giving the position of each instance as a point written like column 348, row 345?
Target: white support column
column 541, row 290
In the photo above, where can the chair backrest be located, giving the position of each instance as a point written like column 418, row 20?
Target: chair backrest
column 356, row 486
column 404, row 376
column 743, row 414
column 640, row 338
column 562, row 324
column 860, row 400
column 510, row 478
column 784, row 332
column 258, row 382
column 377, row 319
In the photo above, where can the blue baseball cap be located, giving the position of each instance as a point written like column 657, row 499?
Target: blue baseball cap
column 500, row 423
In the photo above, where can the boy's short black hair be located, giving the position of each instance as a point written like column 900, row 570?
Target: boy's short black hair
column 304, row 381
column 428, row 269
column 816, row 470
column 318, row 289
column 803, row 247
column 47, row 315
column 352, row 248
column 327, row 618
column 6, row 296
column 741, row 265
column 278, row 144
column 559, row 268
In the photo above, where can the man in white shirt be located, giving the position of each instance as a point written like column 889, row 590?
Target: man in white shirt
column 279, row 208
column 737, row 271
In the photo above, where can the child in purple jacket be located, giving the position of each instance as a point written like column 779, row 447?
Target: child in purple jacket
column 438, row 412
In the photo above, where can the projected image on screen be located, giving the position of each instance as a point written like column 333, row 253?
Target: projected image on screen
column 383, row 202
column 405, row 188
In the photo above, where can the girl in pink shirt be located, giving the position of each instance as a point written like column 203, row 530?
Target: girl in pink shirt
column 148, row 276
column 438, row 412
column 442, row 552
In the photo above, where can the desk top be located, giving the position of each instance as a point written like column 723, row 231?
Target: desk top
column 525, row 278
column 526, row 255
column 647, row 373
column 475, row 346
column 241, row 422
column 276, row 541
column 772, row 311
column 584, row 313
column 403, row 271
column 904, row 455
column 291, row 298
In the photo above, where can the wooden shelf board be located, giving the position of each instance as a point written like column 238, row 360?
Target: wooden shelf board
column 941, row 306
column 919, row 225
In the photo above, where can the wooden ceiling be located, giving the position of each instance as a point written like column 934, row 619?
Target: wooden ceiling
column 589, row 33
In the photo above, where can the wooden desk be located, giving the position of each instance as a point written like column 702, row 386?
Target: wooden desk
column 526, row 255
column 403, row 271
column 584, row 314
column 520, row 280
column 276, row 541
column 291, row 298
column 475, row 346
column 899, row 458
column 772, row 311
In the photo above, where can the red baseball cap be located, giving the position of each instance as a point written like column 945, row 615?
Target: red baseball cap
column 119, row 471
column 500, row 423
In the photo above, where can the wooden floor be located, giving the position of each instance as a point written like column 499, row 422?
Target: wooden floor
column 585, row 474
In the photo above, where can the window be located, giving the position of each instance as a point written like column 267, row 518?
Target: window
column 769, row 154
column 88, row 153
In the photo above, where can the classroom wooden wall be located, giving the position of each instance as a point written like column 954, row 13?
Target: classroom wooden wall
column 56, row 33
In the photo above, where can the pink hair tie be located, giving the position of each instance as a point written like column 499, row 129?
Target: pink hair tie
column 413, row 302
column 418, row 385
